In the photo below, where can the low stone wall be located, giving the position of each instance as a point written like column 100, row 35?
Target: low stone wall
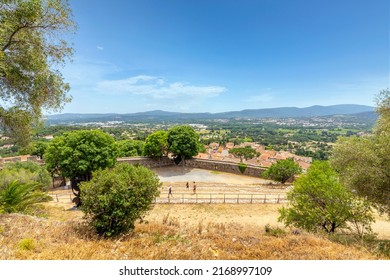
column 223, row 166
column 148, row 162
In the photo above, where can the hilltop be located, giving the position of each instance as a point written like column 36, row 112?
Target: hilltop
column 283, row 112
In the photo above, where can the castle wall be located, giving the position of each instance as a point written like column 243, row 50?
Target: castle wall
column 222, row 166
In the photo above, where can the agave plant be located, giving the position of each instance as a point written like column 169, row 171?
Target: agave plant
column 19, row 197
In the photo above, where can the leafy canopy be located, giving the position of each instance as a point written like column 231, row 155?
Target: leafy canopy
column 364, row 162
column 156, row 144
column 319, row 202
column 183, row 141
column 282, row 170
column 244, row 152
column 130, row 148
column 79, row 153
column 31, row 50
column 114, row 199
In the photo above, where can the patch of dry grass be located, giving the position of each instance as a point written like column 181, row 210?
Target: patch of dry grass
column 170, row 232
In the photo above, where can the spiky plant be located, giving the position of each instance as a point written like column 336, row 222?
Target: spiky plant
column 19, row 197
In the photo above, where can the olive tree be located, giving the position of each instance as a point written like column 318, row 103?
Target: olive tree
column 364, row 162
column 318, row 202
column 32, row 49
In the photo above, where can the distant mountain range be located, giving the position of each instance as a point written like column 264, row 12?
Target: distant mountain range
column 283, row 112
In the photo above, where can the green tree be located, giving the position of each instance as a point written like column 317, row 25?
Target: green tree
column 244, row 152
column 130, row 148
column 32, row 47
column 39, row 149
column 156, row 144
column 183, row 142
column 79, row 153
column 319, row 202
column 114, row 199
column 282, row 170
column 364, row 162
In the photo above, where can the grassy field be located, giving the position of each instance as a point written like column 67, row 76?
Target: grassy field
column 173, row 232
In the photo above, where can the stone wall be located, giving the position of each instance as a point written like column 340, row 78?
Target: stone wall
column 148, row 162
column 223, row 166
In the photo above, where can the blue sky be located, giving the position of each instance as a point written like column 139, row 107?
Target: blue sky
column 222, row 55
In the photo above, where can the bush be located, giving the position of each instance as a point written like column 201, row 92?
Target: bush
column 25, row 172
column 242, row 167
column 115, row 198
column 27, row 244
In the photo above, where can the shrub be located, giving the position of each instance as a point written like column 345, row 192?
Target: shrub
column 242, row 167
column 115, row 198
column 277, row 232
column 25, row 172
column 27, row 244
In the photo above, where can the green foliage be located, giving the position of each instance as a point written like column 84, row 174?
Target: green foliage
column 31, row 49
column 319, row 202
column 25, row 172
column 130, row 148
column 27, row 244
column 183, row 141
column 79, row 153
column 242, row 167
column 39, row 149
column 114, row 199
column 282, row 170
column 21, row 197
column 156, row 144
column 277, row 232
column 244, row 152
column 364, row 162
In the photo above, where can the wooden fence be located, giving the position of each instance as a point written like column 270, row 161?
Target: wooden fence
column 210, row 198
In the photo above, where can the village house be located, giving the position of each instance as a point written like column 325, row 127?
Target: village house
column 266, row 158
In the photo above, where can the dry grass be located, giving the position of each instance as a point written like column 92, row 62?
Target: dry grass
column 170, row 232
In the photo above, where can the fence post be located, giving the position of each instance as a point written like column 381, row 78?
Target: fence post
column 251, row 198
column 196, row 199
column 57, row 197
column 265, row 198
column 278, row 197
column 224, row 198
column 238, row 198
column 210, row 198
column 182, row 198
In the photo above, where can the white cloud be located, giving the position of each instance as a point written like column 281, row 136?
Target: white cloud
column 158, row 88
column 100, row 48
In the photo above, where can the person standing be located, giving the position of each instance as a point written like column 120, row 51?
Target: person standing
column 170, row 191
column 194, row 189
